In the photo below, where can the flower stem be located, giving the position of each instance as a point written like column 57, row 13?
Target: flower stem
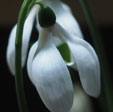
column 18, row 44
column 105, row 69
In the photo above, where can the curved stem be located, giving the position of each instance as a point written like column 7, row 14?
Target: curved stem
column 105, row 69
column 18, row 44
column 42, row 5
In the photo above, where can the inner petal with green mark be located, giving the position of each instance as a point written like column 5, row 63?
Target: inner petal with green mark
column 65, row 52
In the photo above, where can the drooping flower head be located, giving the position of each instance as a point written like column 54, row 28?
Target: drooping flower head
column 47, row 60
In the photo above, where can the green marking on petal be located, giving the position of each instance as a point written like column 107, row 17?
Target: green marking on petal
column 65, row 52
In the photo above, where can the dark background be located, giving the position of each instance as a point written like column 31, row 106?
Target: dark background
column 8, row 14
column 8, row 94
column 102, row 10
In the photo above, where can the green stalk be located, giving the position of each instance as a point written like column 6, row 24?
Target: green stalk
column 105, row 69
column 18, row 44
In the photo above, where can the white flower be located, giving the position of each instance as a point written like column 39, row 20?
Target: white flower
column 47, row 69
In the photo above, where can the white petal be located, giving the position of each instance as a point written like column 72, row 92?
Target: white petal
column 27, row 32
column 86, row 61
column 10, row 54
column 81, row 103
column 51, row 77
column 64, row 17
column 25, row 41
column 87, row 65
column 30, row 60
column 63, row 34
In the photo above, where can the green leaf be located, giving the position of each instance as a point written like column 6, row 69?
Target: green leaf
column 65, row 52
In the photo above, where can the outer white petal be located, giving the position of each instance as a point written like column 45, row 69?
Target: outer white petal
column 87, row 65
column 64, row 17
column 51, row 76
column 10, row 54
column 30, row 60
column 86, row 62
column 26, row 37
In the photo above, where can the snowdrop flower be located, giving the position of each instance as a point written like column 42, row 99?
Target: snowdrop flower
column 62, row 11
column 48, row 71
column 46, row 65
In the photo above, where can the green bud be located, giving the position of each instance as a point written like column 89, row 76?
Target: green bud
column 46, row 17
